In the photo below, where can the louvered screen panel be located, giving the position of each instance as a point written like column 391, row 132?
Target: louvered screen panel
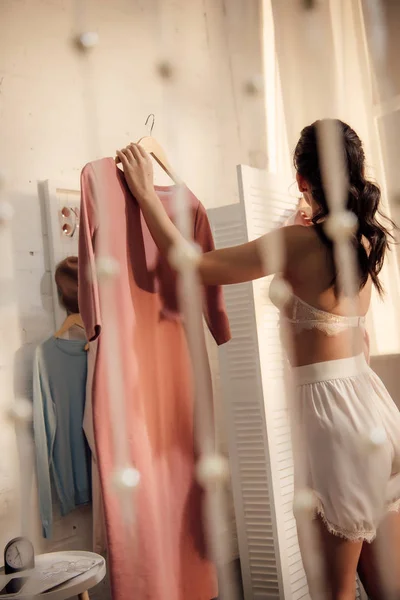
column 248, row 447
column 267, row 204
column 227, row 529
column 252, row 382
column 229, row 536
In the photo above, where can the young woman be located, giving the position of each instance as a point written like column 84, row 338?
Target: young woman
column 340, row 400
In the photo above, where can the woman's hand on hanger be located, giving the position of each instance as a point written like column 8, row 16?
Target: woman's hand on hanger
column 138, row 171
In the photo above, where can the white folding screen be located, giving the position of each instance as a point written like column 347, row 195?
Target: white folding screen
column 252, row 383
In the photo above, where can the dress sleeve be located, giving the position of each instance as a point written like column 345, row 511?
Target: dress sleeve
column 44, row 426
column 214, row 304
column 88, row 291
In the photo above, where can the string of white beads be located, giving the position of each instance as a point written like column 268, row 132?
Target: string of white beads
column 212, row 469
column 107, row 268
column 280, row 292
column 6, row 212
column 254, row 86
column 127, row 478
column 184, row 256
column 165, row 70
column 303, row 503
column 21, row 412
column 88, row 40
column 341, row 225
column 376, row 438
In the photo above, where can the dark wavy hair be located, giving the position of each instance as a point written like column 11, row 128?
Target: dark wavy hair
column 363, row 199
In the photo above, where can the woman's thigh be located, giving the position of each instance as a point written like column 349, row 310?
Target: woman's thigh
column 379, row 564
column 337, row 558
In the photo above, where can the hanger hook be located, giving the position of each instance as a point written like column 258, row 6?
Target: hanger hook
column 152, row 124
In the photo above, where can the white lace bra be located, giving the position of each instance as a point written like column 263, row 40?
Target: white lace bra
column 303, row 316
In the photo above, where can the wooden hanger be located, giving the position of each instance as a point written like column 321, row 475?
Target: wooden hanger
column 74, row 320
column 150, row 144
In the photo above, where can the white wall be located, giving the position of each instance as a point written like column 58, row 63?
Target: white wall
column 59, row 110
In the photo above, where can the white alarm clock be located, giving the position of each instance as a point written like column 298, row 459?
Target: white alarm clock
column 19, row 556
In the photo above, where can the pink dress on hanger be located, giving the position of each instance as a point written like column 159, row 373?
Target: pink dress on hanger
column 169, row 560
column 98, row 525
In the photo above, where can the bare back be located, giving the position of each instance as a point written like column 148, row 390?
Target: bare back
column 310, row 276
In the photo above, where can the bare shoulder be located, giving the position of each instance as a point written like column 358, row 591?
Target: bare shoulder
column 303, row 250
column 300, row 238
column 299, row 244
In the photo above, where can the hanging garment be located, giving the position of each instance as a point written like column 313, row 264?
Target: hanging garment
column 62, row 453
column 98, row 523
column 170, row 561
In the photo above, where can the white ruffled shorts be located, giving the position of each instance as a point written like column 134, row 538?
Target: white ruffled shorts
column 348, row 450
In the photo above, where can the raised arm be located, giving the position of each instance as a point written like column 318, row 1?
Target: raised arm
column 219, row 267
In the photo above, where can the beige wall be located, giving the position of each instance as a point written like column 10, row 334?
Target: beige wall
column 59, row 110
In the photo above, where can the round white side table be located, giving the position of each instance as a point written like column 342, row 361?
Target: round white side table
column 79, row 586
